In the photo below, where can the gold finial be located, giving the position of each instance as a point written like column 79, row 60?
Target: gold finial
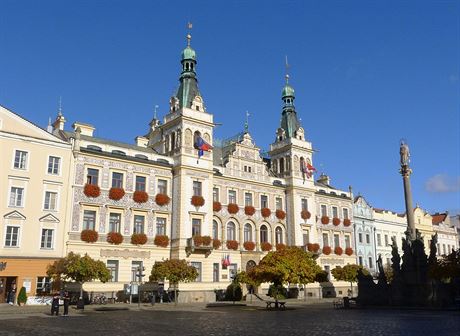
column 189, row 35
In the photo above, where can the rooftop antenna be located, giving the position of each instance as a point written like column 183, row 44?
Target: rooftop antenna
column 60, row 107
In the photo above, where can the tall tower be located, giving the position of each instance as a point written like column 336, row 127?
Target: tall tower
column 184, row 123
column 291, row 154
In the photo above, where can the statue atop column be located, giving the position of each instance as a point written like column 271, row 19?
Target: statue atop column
column 406, row 172
column 405, row 154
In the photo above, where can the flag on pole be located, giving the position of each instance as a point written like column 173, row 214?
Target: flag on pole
column 202, row 146
column 308, row 169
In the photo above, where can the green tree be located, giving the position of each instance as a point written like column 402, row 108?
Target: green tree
column 348, row 273
column 78, row 268
column 22, row 296
column 389, row 273
column 291, row 265
column 175, row 271
column 446, row 268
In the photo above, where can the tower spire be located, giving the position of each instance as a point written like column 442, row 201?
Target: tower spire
column 60, row 107
column 289, row 122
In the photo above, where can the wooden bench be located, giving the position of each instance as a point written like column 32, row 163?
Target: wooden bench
column 281, row 304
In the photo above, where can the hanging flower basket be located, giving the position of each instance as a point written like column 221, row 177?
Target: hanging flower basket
column 116, row 194
column 249, row 245
column 92, row 190
column 197, row 201
column 266, row 212
column 336, row 221
column 280, row 246
column 310, row 247
column 216, row 206
column 280, row 214
column 114, row 238
column 232, row 244
column 325, row 220
column 327, row 250
column 348, row 251
column 305, row 214
column 140, row 196
column 161, row 240
column 216, row 243
column 338, row 250
column 162, row 199
column 265, row 246
column 346, row 222
column 233, row 208
column 138, row 238
column 197, row 240
column 89, row 236
column 249, row 210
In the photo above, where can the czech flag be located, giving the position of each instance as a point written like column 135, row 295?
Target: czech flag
column 308, row 169
column 202, row 146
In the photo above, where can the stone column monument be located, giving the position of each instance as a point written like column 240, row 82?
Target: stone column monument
column 405, row 172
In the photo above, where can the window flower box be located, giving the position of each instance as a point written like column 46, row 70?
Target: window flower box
column 92, row 190
column 233, row 208
column 216, row 206
column 216, row 243
column 280, row 246
column 348, row 251
column 116, row 194
column 162, row 199
column 346, row 222
column 114, row 238
column 249, row 210
column 265, row 212
column 197, row 201
column 138, row 239
column 265, row 246
column 161, row 240
column 280, row 214
column 140, row 196
column 232, row 245
column 336, row 221
column 325, row 220
column 89, row 236
column 249, row 245
column 327, row 250
column 338, row 250
column 305, row 214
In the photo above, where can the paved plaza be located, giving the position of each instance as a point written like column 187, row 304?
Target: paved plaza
column 299, row 319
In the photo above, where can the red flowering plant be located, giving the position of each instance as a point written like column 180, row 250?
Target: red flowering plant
column 92, row 190
column 305, row 214
column 161, row 240
column 216, row 206
column 216, row 243
column 325, row 220
column 207, row 240
column 266, row 212
column 313, row 247
column 233, row 208
column 197, row 240
column 346, row 222
column 280, row 246
column 114, row 238
column 249, row 210
column 89, row 236
column 138, row 238
column 336, row 221
column 280, row 214
column 116, row 194
column 162, row 199
column 265, row 246
column 140, row 196
column 249, row 245
column 197, row 201
column 348, row 251
column 232, row 244
column 327, row 250
column 338, row 250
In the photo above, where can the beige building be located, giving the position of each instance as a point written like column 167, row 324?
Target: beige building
column 36, row 167
column 447, row 234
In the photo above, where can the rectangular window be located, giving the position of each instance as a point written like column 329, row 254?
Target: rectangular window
column 360, row 261
column 43, row 285
column 117, row 180
column 12, row 236
column 114, row 222
column 232, row 196
column 112, row 265
column 347, row 241
column 135, row 266
column 20, row 160
column 93, row 176
column 196, row 227
column 323, row 210
column 279, row 203
column 335, row 212
column 47, row 239
column 263, row 201
column 304, row 204
column 360, row 237
column 196, row 188
column 138, row 224
column 336, row 240
column 368, row 238
column 215, row 194
column 379, row 239
column 371, row 265
column 141, row 182
column 306, row 237
column 54, row 163
column 50, row 200
column 197, row 265
column 161, row 226
column 232, row 271
column 163, row 187
column 89, row 220
column 325, row 239
column 345, row 213
column 247, row 199
column 215, row 272
column 16, row 197
column 386, row 240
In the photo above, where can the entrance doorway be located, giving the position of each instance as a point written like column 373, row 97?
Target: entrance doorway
column 8, row 289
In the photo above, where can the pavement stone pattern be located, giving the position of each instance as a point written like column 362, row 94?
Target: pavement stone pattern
column 253, row 319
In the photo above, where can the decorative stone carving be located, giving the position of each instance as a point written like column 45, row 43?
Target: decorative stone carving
column 125, row 253
column 188, row 138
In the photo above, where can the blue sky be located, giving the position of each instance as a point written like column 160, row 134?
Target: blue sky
column 366, row 74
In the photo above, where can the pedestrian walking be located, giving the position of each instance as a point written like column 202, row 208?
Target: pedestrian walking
column 11, row 297
column 55, row 304
column 66, row 299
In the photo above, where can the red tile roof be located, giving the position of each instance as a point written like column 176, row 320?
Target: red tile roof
column 438, row 218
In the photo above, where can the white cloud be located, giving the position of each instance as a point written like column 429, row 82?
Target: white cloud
column 442, row 183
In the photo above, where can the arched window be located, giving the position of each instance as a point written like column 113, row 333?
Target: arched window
column 281, row 167
column 263, row 234
column 173, row 140
column 196, row 135
column 247, row 232
column 279, row 235
column 302, row 165
column 167, row 143
column 231, row 231
column 215, row 230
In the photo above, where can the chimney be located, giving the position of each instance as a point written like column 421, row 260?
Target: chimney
column 141, row 141
column 59, row 123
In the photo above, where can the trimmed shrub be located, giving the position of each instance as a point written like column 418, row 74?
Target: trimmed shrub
column 233, row 292
column 22, row 296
